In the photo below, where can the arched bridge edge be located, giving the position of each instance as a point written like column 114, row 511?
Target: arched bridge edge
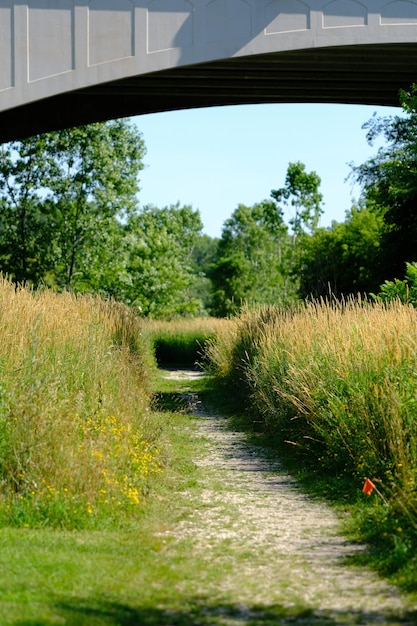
column 53, row 47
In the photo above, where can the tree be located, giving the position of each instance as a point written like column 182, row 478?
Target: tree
column 204, row 253
column 301, row 193
column 92, row 180
column 344, row 259
column 203, row 260
column 26, row 225
column 63, row 194
column 389, row 182
column 160, row 264
column 251, row 258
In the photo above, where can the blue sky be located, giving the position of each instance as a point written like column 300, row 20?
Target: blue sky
column 217, row 158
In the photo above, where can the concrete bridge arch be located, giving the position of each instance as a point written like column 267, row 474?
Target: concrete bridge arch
column 69, row 62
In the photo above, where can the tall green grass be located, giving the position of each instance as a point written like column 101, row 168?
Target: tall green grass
column 78, row 443
column 182, row 342
column 336, row 384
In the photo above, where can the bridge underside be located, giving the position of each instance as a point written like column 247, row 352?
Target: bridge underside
column 361, row 74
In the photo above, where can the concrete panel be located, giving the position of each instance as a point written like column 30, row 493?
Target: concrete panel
column 228, row 20
column 6, row 46
column 51, row 38
column 285, row 16
column 110, row 31
column 342, row 13
column 399, row 12
column 169, row 25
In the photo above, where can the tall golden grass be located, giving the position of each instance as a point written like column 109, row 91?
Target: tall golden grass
column 76, row 438
column 338, row 382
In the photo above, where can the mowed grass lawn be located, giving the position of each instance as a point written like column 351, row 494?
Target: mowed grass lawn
column 128, row 576
column 89, row 577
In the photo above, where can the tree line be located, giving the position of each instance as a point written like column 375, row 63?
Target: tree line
column 71, row 220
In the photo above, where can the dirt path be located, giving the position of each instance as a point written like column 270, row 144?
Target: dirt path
column 277, row 547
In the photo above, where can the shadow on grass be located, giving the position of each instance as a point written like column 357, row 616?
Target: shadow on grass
column 182, row 392
column 168, row 402
column 201, row 613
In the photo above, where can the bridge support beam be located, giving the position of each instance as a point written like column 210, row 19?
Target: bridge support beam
column 68, row 62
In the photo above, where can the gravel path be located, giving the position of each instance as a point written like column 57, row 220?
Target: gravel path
column 277, row 546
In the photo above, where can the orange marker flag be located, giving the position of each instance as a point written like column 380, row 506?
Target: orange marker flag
column 368, row 487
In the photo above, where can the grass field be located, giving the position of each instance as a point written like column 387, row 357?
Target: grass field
column 95, row 453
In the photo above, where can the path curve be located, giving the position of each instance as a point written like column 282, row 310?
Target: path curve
column 296, row 555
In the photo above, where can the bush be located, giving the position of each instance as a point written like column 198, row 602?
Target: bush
column 403, row 290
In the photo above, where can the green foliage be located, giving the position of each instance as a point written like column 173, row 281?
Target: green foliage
column 160, row 264
column 403, row 290
column 183, row 350
column 63, row 193
column 389, row 182
column 343, row 259
column 252, row 259
column 301, row 193
column 257, row 256
column 204, row 253
column 25, row 225
column 70, row 220
column 204, row 256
